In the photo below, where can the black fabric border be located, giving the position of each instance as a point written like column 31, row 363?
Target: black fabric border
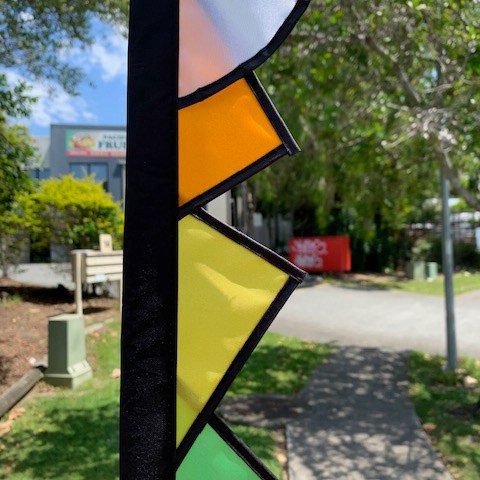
column 235, row 367
column 272, row 113
column 147, row 440
column 289, row 146
column 251, row 64
column 250, row 244
column 232, row 181
column 240, row 448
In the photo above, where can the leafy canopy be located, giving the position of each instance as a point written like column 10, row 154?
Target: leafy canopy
column 36, row 34
column 380, row 95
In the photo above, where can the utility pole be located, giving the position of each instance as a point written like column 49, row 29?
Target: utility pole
column 245, row 209
column 447, row 267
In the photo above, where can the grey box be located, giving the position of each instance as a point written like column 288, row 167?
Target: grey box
column 432, row 270
column 416, row 270
column 67, row 364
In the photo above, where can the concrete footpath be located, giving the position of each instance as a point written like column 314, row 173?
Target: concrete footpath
column 359, row 423
column 48, row 275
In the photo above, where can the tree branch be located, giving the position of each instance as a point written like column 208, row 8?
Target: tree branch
column 371, row 42
column 445, row 162
column 412, row 94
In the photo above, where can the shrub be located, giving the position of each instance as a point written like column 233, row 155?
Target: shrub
column 465, row 255
column 72, row 213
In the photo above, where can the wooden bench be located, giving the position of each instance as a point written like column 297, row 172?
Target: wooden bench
column 91, row 267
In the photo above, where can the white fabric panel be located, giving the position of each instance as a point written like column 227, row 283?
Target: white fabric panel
column 218, row 35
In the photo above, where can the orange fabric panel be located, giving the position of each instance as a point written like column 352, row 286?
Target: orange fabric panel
column 221, row 136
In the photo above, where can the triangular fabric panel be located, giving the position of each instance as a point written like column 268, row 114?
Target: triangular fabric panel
column 199, row 295
column 221, row 41
column 218, row 455
column 224, row 309
column 227, row 138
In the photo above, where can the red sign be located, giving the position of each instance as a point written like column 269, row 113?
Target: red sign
column 321, row 254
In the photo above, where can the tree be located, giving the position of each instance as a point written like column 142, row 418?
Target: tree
column 389, row 91
column 15, row 152
column 35, row 34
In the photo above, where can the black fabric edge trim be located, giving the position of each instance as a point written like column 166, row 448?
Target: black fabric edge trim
column 240, row 448
column 289, row 147
column 235, row 367
column 272, row 113
column 230, row 182
column 250, row 244
column 251, row 64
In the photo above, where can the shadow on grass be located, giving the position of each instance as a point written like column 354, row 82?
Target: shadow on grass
column 366, row 285
column 45, row 296
column 48, row 296
column 262, row 443
column 79, row 444
column 93, row 310
column 449, row 409
column 5, row 366
column 279, row 365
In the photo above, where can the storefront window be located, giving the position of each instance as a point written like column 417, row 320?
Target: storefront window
column 98, row 170
column 40, row 173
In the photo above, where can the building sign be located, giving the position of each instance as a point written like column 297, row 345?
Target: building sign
column 96, row 143
column 321, row 254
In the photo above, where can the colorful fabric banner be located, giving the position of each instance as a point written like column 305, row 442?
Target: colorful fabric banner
column 221, row 41
column 224, row 308
column 199, row 295
column 226, row 139
column 219, row 455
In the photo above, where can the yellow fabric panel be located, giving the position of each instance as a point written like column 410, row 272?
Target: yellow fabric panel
column 224, row 291
column 219, row 137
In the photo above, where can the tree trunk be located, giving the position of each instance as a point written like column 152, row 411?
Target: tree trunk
column 455, row 181
column 4, row 255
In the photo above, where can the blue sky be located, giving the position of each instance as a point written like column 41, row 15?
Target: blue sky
column 105, row 66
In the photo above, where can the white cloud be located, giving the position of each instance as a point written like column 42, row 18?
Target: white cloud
column 105, row 59
column 108, row 53
column 111, row 56
column 53, row 104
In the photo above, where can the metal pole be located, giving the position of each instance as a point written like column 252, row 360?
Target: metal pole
column 447, row 266
column 150, row 261
column 245, row 208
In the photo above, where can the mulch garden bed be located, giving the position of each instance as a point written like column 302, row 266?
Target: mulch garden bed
column 24, row 312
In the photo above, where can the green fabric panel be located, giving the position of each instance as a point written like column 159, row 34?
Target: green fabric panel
column 210, row 458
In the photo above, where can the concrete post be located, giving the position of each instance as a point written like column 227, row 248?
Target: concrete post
column 67, row 364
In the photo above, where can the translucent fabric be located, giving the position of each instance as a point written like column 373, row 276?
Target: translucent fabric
column 221, row 136
column 210, row 458
column 224, row 292
column 216, row 36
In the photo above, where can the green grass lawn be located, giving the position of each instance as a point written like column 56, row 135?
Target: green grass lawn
column 280, row 365
column 446, row 409
column 463, row 282
column 70, row 434
column 74, row 435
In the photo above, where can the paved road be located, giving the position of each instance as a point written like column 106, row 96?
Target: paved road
column 379, row 318
column 346, row 316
